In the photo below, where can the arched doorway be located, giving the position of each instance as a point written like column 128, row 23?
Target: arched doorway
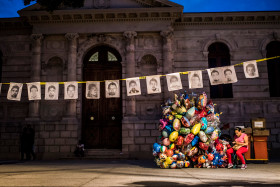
column 219, row 56
column 101, row 128
column 273, row 68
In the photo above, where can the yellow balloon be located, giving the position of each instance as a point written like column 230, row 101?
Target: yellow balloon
column 173, row 136
column 169, row 160
column 176, row 124
column 196, row 128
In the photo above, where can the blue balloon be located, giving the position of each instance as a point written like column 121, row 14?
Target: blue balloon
column 156, row 147
column 209, row 130
column 195, row 140
column 204, row 123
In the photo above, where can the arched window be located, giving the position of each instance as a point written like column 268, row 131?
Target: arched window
column 273, row 68
column 1, row 63
column 55, row 70
column 148, row 65
column 219, row 56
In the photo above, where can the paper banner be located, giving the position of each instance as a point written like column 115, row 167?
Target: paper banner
column 34, row 91
column 14, row 92
column 195, row 79
column 133, row 86
column 112, row 88
column 153, row 84
column 71, row 90
column 92, row 90
column 215, row 76
column 229, row 74
column 174, row 82
column 251, row 69
column 51, row 91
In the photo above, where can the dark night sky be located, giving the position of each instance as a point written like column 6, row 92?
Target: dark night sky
column 9, row 8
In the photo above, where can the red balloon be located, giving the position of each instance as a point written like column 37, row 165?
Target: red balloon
column 210, row 156
column 169, row 153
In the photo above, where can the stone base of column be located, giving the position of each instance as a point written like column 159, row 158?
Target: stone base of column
column 130, row 118
column 69, row 120
column 32, row 119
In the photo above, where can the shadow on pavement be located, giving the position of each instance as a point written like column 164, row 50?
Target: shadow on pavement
column 230, row 183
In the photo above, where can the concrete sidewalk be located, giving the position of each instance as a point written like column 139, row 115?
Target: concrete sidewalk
column 131, row 173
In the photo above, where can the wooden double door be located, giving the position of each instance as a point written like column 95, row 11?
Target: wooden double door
column 102, row 118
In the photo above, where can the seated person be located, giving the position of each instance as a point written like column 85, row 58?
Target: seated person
column 80, row 149
column 240, row 146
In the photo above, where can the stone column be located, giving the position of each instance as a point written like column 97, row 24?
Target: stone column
column 34, row 106
column 72, row 69
column 130, row 69
column 167, row 54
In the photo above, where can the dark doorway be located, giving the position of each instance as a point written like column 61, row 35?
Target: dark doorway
column 102, row 118
column 273, row 68
column 219, row 56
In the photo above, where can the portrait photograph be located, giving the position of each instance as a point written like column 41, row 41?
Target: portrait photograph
column 229, row 74
column 133, row 86
column 112, row 88
column 153, row 84
column 195, row 79
column 92, row 90
column 215, row 76
column 251, row 69
column 51, row 91
column 174, row 81
column 34, row 91
column 70, row 90
column 14, row 92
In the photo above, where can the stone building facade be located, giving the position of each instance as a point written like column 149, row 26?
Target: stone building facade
column 145, row 38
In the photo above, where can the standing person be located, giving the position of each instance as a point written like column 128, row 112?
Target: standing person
column 240, row 146
column 30, row 136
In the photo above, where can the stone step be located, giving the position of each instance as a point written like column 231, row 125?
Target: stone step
column 103, row 152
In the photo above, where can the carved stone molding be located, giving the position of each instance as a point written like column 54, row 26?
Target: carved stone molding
column 71, row 36
column 101, row 38
column 130, row 35
column 101, row 4
column 36, row 37
column 167, row 34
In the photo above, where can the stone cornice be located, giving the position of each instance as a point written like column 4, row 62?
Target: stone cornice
column 102, row 15
column 229, row 18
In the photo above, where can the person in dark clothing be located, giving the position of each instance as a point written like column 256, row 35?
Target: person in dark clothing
column 30, row 136
column 23, row 145
column 80, row 149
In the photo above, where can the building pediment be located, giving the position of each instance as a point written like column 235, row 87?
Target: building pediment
column 105, row 10
column 112, row 4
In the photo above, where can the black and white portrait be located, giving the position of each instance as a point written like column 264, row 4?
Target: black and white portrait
column 34, row 91
column 251, row 69
column 215, row 76
column 195, row 79
column 153, row 84
column 229, row 74
column 174, row 81
column 14, row 92
column 70, row 90
column 51, row 91
column 92, row 90
column 133, row 86
column 112, row 88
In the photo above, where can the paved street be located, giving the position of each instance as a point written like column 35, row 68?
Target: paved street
column 131, row 173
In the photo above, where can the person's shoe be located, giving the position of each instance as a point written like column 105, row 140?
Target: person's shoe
column 230, row 166
column 243, row 166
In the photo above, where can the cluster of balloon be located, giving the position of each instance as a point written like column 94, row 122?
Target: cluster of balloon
column 190, row 134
